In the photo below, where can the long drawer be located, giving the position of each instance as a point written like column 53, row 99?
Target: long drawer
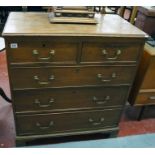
column 69, row 98
column 145, row 98
column 68, row 121
column 70, row 76
column 41, row 52
column 110, row 52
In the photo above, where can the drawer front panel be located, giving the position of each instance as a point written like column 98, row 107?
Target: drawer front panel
column 100, row 53
column 145, row 98
column 70, row 76
column 69, row 98
column 62, row 122
column 38, row 52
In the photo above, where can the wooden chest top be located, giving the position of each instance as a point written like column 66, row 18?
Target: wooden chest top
column 37, row 24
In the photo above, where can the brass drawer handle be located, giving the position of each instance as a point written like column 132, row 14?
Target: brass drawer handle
column 100, row 76
column 36, row 101
column 44, row 82
column 117, row 53
column 93, row 122
column 45, row 127
column 51, row 53
column 97, row 101
column 90, row 15
column 152, row 97
column 58, row 14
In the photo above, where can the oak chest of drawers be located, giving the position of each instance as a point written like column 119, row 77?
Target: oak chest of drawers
column 69, row 79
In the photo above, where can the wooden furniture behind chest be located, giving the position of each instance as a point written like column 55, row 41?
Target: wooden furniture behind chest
column 143, row 90
column 69, row 79
column 146, row 19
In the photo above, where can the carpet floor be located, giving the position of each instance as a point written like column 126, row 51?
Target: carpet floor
column 136, row 141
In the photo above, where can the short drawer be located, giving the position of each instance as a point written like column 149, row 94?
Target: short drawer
column 102, row 53
column 145, row 98
column 43, row 52
column 70, row 76
column 52, row 123
column 69, row 98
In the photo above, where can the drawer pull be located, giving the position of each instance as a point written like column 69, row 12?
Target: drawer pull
column 45, row 127
column 36, row 101
column 152, row 97
column 93, row 122
column 99, row 101
column 44, row 82
column 117, row 53
column 36, row 53
column 100, row 76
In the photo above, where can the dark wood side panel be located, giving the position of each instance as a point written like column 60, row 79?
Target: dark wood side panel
column 142, row 71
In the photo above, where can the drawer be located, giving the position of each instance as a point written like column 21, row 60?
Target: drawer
column 43, row 52
column 70, row 76
column 102, row 53
column 69, row 98
column 52, row 123
column 145, row 98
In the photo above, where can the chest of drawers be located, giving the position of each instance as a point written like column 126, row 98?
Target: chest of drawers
column 69, row 79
